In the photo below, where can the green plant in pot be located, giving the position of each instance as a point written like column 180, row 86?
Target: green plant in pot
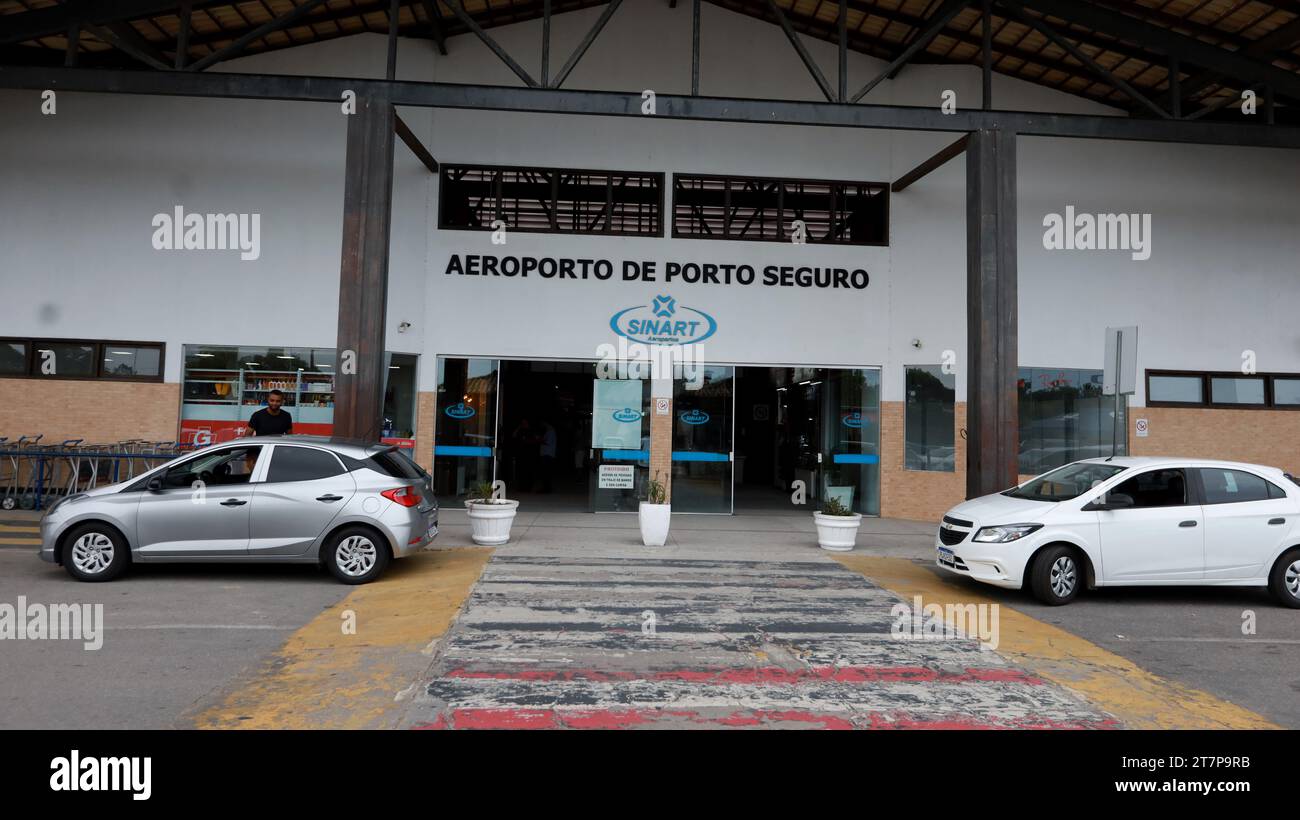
column 490, row 514
column 837, row 525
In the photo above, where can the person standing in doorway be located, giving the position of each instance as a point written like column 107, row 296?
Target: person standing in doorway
column 546, row 447
column 271, row 420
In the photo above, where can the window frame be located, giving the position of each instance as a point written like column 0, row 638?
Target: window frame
column 99, row 345
column 444, row 169
column 782, row 181
column 266, row 474
column 1207, row 376
column 1269, row 487
column 1193, row 492
column 906, row 441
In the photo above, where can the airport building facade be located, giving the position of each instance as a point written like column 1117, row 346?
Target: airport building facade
column 176, row 259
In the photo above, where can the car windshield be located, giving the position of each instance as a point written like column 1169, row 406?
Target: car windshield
column 1064, row 483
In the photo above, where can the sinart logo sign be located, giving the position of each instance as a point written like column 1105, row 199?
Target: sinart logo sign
column 853, row 419
column 694, row 417
column 627, row 415
column 460, row 410
column 663, row 322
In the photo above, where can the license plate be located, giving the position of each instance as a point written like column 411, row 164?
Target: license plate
column 946, row 554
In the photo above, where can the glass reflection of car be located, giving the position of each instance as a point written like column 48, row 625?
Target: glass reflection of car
column 351, row 507
column 1126, row 521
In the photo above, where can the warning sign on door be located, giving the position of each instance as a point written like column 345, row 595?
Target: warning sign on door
column 615, row 477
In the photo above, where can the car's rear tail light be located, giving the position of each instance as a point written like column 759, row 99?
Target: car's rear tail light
column 406, row 496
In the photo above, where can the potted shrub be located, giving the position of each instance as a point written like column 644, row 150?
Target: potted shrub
column 654, row 514
column 837, row 526
column 490, row 517
column 837, row 489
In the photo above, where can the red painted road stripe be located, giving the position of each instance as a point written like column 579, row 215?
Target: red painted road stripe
column 765, row 675
column 629, row 718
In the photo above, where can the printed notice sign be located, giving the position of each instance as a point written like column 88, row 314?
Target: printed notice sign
column 616, row 476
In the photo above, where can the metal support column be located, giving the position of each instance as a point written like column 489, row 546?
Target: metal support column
column 363, row 278
column 993, row 444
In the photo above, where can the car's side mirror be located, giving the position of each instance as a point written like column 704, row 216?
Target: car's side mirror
column 1113, row 501
column 154, row 485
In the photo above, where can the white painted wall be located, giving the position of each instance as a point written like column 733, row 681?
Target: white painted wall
column 78, row 191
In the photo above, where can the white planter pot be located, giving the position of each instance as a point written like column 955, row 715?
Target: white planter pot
column 489, row 524
column 837, row 533
column 654, row 520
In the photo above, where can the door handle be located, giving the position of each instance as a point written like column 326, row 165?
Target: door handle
column 329, row 498
column 1275, row 521
column 233, row 502
column 1187, row 524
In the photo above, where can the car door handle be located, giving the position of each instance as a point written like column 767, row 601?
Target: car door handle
column 329, row 498
column 1187, row 524
column 233, row 502
column 1275, row 521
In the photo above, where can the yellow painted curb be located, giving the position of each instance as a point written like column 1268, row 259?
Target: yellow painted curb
column 325, row 678
column 1137, row 698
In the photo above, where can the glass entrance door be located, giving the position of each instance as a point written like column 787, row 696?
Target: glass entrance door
column 464, row 444
column 620, row 443
column 851, row 439
column 703, row 411
column 804, row 434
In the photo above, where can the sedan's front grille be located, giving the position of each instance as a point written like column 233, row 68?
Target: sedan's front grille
column 958, row 522
column 948, row 537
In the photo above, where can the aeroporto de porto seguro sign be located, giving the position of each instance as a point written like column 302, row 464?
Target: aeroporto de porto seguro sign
column 689, row 273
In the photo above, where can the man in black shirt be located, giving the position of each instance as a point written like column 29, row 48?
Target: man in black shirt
column 271, row 420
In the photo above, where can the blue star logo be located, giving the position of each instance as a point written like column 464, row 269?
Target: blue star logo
column 664, row 306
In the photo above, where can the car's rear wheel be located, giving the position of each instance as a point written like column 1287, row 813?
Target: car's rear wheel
column 356, row 555
column 1284, row 580
column 1056, row 575
column 95, row 552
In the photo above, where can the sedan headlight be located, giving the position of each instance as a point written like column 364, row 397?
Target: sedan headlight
column 1003, row 534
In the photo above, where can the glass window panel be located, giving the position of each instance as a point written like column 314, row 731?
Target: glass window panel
column 1064, row 417
column 1177, row 388
column 930, row 419
column 1227, row 390
column 65, row 359
column 1231, row 486
column 1286, row 391
column 126, row 361
column 399, row 396
column 13, row 358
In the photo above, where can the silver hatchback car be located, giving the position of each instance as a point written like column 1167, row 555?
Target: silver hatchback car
column 348, row 505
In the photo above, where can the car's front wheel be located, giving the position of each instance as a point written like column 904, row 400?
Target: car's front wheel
column 95, row 552
column 1056, row 575
column 1284, row 580
column 356, row 555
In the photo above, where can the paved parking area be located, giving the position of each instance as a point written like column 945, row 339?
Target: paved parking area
column 738, row 621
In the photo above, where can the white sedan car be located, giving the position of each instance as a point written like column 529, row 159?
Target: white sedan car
column 1132, row 522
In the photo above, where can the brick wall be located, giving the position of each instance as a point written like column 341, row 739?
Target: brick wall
column 100, row 412
column 1269, row 437
column 661, row 448
column 917, row 494
column 426, row 416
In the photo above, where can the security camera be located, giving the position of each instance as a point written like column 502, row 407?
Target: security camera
column 916, row 343
column 403, row 327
